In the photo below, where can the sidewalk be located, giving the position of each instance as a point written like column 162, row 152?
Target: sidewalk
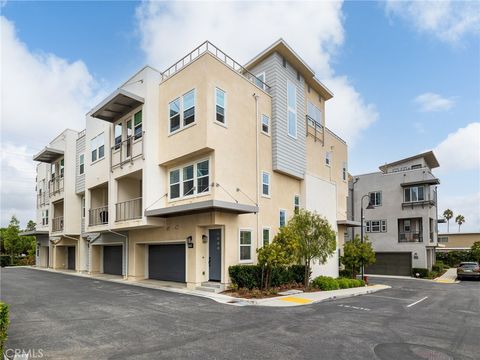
column 279, row 301
column 450, row 277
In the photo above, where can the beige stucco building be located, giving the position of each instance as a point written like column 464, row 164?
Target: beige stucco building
column 456, row 241
column 182, row 173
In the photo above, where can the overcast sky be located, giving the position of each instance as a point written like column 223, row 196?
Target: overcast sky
column 405, row 75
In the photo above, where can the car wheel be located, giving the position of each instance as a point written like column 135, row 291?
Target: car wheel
column 459, row 278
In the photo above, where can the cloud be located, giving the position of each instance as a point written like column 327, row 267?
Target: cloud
column 429, row 102
column 243, row 29
column 466, row 205
column 41, row 95
column 448, row 20
column 460, row 150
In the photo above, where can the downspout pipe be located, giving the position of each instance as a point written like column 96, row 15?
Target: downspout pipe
column 257, row 161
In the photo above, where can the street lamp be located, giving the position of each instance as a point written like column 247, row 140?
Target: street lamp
column 362, row 217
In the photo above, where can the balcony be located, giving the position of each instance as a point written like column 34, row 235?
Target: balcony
column 126, row 151
column 55, row 185
column 57, row 224
column 98, row 216
column 410, row 237
column 410, row 230
column 42, row 199
column 314, row 128
column 129, row 210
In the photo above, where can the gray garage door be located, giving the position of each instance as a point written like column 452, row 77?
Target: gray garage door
column 391, row 263
column 167, row 262
column 112, row 260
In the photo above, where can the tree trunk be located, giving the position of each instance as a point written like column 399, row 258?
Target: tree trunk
column 307, row 273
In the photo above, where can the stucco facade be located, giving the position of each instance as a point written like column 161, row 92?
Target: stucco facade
column 456, row 241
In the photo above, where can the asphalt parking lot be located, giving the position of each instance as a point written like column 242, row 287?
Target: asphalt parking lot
column 68, row 317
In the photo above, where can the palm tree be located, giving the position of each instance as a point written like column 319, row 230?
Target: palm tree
column 448, row 214
column 460, row 219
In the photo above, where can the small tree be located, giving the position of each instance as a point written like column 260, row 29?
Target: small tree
column 31, row 225
column 11, row 239
column 354, row 253
column 315, row 239
column 448, row 214
column 460, row 219
column 475, row 251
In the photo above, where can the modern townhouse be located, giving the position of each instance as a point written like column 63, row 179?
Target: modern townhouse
column 401, row 221
column 185, row 172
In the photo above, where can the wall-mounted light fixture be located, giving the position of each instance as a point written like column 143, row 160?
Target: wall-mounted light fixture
column 190, row 242
column 204, row 239
column 415, row 256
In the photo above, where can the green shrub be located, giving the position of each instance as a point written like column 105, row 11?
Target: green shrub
column 4, row 322
column 345, row 273
column 325, row 283
column 250, row 276
column 345, row 283
column 438, row 267
column 422, row 273
column 453, row 258
column 359, row 282
column 5, row 260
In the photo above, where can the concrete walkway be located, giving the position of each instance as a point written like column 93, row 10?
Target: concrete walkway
column 279, row 301
column 450, row 277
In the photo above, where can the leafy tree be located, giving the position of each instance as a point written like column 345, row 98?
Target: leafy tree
column 475, row 251
column 280, row 252
column 460, row 219
column 448, row 214
column 31, row 225
column 354, row 253
column 315, row 239
column 11, row 239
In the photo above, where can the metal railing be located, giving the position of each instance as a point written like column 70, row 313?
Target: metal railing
column 42, row 199
column 55, row 185
column 410, row 237
column 316, row 126
column 129, row 210
column 98, row 216
column 205, row 47
column 57, row 224
column 127, row 151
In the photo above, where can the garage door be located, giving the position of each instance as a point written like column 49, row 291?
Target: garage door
column 391, row 263
column 112, row 260
column 167, row 262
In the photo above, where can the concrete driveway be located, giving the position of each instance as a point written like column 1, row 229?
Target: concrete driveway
column 68, row 317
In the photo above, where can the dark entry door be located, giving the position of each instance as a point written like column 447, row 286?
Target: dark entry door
column 71, row 258
column 215, row 254
column 391, row 263
column 112, row 260
column 167, row 262
column 48, row 258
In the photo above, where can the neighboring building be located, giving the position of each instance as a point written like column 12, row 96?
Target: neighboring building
column 456, row 241
column 183, row 173
column 402, row 226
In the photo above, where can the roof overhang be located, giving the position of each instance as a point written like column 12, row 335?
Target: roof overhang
column 429, row 157
column 48, row 155
column 349, row 223
column 441, row 221
column 117, row 105
column 433, row 181
column 203, row 206
column 33, row 233
column 296, row 61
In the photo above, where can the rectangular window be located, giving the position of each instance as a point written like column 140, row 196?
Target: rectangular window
column 97, row 145
column 265, row 124
column 375, row 226
column 53, row 167
column 406, row 226
column 81, row 164
column 265, row 183
column 376, row 198
column 314, row 115
column 118, row 136
column 384, row 225
column 328, row 158
column 368, row 226
column 292, row 109
column 266, row 236
column 174, row 184
column 220, row 105
column 283, row 218
column 83, row 206
column 174, row 115
column 101, row 146
column 188, row 188
column 344, row 171
column 415, row 193
column 245, row 245
column 62, row 167
column 190, row 180
column 129, row 136
column 137, row 125
column 296, row 203
column 260, row 81
column 189, row 108
column 202, row 177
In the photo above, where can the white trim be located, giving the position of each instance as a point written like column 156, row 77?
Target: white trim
column 279, row 212
column 294, row 204
column 294, row 110
column 181, row 181
column 261, row 124
column 263, row 85
column 269, row 195
column 329, row 157
column 80, row 163
column 269, row 234
column 224, row 124
column 249, row 261
column 181, row 111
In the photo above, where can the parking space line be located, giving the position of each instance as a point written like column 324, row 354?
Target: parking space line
column 388, row 297
column 416, row 302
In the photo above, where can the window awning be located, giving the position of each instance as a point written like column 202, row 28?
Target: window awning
column 349, row 223
column 433, row 181
column 203, row 206
column 48, row 155
column 117, row 105
column 33, row 233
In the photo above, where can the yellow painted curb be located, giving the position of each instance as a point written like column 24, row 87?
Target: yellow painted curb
column 445, row 281
column 296, row 300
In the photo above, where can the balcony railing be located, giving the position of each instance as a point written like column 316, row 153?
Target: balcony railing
column 42, row 199
column 57, row 224
column 126, row 151
column 98, row 216
column 55, row 185
column 410, row 237
column 129, row 210
column 314, row 128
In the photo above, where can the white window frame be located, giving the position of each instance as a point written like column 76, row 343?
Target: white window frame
column 383, row 226
column 269, row 184
column 296, row 206
column 375, row 197
column 81, row 161
column 291, row 110
column 98, row 141
column 195, row 180
column 328, row 158
column 261, row 76
column 318, row 112
column 344, row 171
column 372, row 226
column 268, row 124
column 367, row 226
column 269, row 235
column 280, row 217
column 410, row 192
column 224, row 123
column 181, row 111
column 240, row 245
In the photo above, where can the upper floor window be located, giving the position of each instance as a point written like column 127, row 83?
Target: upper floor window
column 265, row 183
column 62, row 168
column 314, row 114
column 45, row 217
column 97, row 146
column 81, row 164
column 265, row 124
column 292, row 109
column 296, row 203
column 260, row 80
column 83, row 207
column 417, row 166
column 414, row 193
column 283, row 218
column 189, row 180
column 376, row 198
column 53, row 169
column 376, row 226
column 137, row 124
column 344, row 171
column 266, row 236
column 220, row 106
column 182, row 111
column 118, row 136
column 328, row 158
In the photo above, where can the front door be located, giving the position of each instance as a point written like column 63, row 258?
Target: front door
column 215, row 254
column 71, row 258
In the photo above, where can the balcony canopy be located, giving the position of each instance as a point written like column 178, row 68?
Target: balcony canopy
column 433, row 181
column 48, row 155
column 349, row 223
column 203, row 206
column 117, row 105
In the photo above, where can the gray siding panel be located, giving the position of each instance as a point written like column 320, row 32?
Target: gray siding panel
column 289, row 154
column 80, row 179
